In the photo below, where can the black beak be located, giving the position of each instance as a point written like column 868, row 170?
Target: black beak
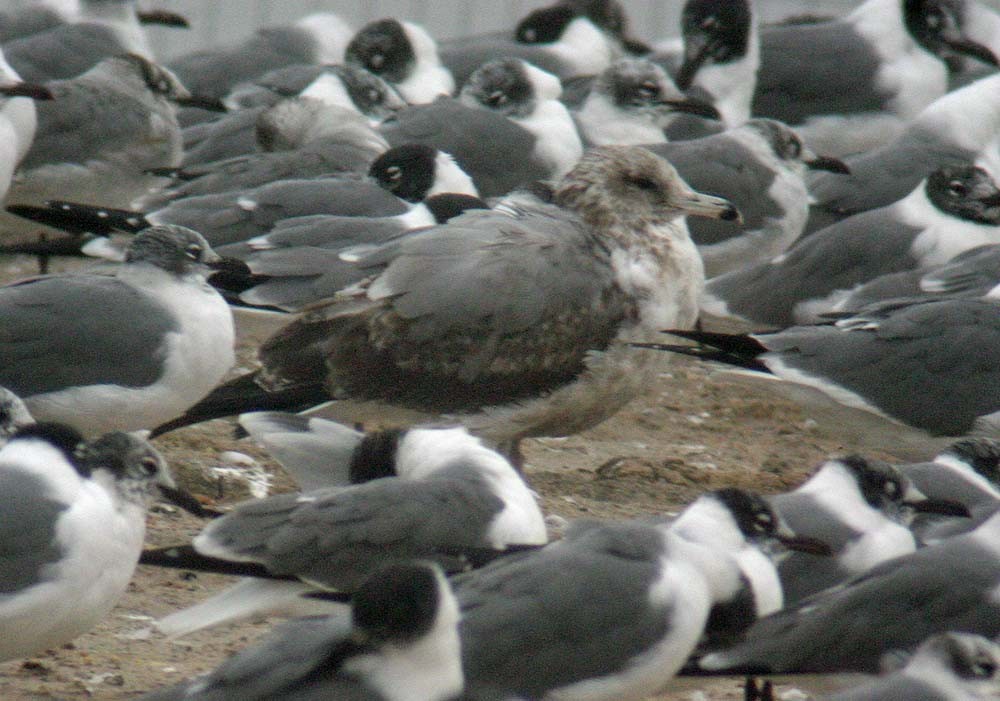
column 942, row 507
column 805, row 544
column 164, row 18
column 827, row 163
column 202, row 102
column 991, row 200
column 32, row 90
column 692, row 105
column 967, row 47
column 697, row 49
column 186, row 501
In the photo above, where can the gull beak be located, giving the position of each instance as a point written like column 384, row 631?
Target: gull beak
column 941, row 507
column 185, row 500
column 692, row 105
column 32, row 90
column 163, row 18
column 202, row 102
column 966, row 47
column 827, row 163
column 697, row 204
column 697, row 49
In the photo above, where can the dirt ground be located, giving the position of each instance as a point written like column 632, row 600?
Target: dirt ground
column 691, row 433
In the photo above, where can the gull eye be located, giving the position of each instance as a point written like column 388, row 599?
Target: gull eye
column 193, row 251
column 529, row 35
column 497, row 98
column 958, row 188
column 644, row 183
column 395, row 173
column 708, row 23
column 891, row 488
column 149, row 466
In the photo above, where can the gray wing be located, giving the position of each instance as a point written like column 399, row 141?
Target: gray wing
column 256, row 169
column 26, row 21
column 214, row 73
column 971, row 273
column 895, row 606
column 838, row 258
column 579, row 608
column 238, row 216
column 62, row 52
column 28, row 541
column 721, row 165
column 493, row 307
column 297, row 661
column 337, row 537
column 813, row 69
column 88, row 119
column 933, row 365
column 883, row 176
column 493, row 150
column 60, row 332
column 233, row 134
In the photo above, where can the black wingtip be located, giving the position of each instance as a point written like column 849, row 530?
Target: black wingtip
column 163, row 18
column 185, row 557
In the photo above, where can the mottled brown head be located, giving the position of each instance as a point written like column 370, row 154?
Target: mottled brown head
column 628, row 189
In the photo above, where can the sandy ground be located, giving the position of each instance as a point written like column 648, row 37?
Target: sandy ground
column 691, row 433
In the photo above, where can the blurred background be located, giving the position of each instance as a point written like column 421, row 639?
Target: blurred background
column 226, row 21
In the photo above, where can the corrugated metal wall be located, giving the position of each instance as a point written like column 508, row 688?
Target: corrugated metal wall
column 225, row 21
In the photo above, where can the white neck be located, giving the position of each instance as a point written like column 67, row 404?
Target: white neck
column 969, row 117
column 557, row 142
column 603, row 123
column 331, row 34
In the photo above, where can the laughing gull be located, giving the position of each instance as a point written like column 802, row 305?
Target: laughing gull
column 721, row 55
column 101, row 132
column 105, row 28
column 563, row 39
column 955, row 209
column 946, row 667
column 301, row 261
column 400, row 643
column 950, row 586
column 761, row 168
column 405, row 56
column 848, row 84
column 73, row 523
column 399, row 179
column 413, row 333
column 951, row 131
column 428, row 493
column 907, row 377
column 972, row 273
column 632, row 102
column 508, row 127
column 744, row 526
column 235, row 134
column 861, row 509
column 161, row 340
column 300, row 138
column 611, row 611
column 318, row 38
column 968, row 473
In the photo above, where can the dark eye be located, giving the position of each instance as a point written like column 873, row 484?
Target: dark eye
column 193, row 251
column 794, row 148
column 529, row 35
column 891, row 488
column 644, row 183
column 984, row 669
column 649, row 90
column 394, row 173
column 958, row 188
column 708, row 23
column 934, row 19
column 495, row 99
column 149, row 466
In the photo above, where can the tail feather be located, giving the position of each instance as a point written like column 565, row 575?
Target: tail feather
column 241, row 395
column 79, row 218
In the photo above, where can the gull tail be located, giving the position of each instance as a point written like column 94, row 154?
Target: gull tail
column 247, row 598
column 740, row 350
column 241, row 395
column 78, row 218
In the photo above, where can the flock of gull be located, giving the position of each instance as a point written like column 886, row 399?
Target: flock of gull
column 507, row 236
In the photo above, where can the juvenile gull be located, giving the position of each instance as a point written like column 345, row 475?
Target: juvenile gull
column 73, row 522
column 849, row 84
column 437, row 494
column 519, row 315
column 907, row 377
column 399, row 643
column 955, row 209
column 122, row 352
column 405, row 56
